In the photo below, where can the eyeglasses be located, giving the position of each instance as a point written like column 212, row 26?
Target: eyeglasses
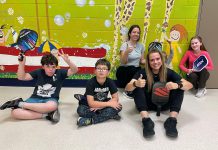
column 101, row 69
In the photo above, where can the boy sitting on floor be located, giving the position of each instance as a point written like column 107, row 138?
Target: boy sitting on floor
column 43, row 103
column 95, row 106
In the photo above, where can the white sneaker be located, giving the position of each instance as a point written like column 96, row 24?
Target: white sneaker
column 201, row 92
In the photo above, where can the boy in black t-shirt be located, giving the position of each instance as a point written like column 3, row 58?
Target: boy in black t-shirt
column 43, row 103
column 95, row 106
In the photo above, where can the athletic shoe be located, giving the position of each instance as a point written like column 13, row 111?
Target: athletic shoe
column 84, row 121
column 128, row 94
column 54, row 116
column 170, row 127
column 78, row 96
column 148, row 130
column 12, row 103
column 201, row 92
column 116, row 117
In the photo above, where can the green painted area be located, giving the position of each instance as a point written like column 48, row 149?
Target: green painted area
column 91, row 23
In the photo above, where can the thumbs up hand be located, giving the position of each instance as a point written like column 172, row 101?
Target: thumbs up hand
column 140, row 82
column 129, row 48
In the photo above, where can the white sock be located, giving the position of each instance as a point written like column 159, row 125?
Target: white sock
column 21, row 104
column 44, row 115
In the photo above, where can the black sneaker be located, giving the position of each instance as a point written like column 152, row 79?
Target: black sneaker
column 54, row 116
column 116, row 117
column 78, row 96
column 84, row 121
column 170, row 127
column 148, row 130
column 12, row 103
column 128, row 94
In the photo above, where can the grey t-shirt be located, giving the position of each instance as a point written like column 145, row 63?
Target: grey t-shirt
column 135, row 56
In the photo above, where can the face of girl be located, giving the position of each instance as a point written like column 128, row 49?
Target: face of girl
column 155, row 62
column 49, row 70
column 174, row 35
column 196, row 44
column 134, row 35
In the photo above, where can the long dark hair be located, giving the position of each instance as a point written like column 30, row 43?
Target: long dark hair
column 200, row 40
column 130, row 30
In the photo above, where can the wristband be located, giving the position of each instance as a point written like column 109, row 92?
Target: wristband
column 134, row 84
column 180, row 85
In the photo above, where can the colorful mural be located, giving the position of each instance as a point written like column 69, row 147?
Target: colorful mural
column 91, row 29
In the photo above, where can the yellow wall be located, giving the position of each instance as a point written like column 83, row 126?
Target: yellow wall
column 90, row 23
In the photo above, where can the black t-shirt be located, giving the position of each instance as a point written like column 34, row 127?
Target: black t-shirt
column 171, row 76
column 48, row 87
column 98, row 91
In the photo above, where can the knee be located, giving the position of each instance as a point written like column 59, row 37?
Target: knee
column 113, row 111
column 51, row 105
column 177, row 93
column 16, row 113
column 207, row 74
column 192, row 76
column 80, row 110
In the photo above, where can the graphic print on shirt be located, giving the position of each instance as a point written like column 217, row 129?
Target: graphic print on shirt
column 46, row 90
column 101, row 93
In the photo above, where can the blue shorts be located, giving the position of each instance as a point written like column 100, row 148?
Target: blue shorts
column 40, row 100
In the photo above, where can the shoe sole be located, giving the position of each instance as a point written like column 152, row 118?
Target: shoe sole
column 56, row 117
column 204, row 93
column 79, row 125
column 171, row 135
column 149, row 135
column 78, row 96
column 13, row 103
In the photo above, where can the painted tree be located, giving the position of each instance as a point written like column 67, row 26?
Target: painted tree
column 148, row 7
column 123, row 12
column 168, row 10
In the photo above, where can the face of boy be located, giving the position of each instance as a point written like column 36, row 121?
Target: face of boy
column 101, row 71
column 49, row 69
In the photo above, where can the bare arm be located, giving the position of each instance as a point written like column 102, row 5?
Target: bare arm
column 124, row 57
column 124, row 54
column 130, row 86
column 115, row 97
column 135, row 83
column 96, row 104
column 73, row 68
column 111, row 103
column 21, row 74
column 185, row 85
column 142, row 60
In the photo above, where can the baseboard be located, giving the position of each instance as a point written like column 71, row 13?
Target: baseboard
column 67, row 82
column 16, row 82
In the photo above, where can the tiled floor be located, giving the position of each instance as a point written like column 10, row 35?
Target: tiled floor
column 197, row 125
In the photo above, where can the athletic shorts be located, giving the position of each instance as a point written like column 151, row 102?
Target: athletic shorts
column 40, row 100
